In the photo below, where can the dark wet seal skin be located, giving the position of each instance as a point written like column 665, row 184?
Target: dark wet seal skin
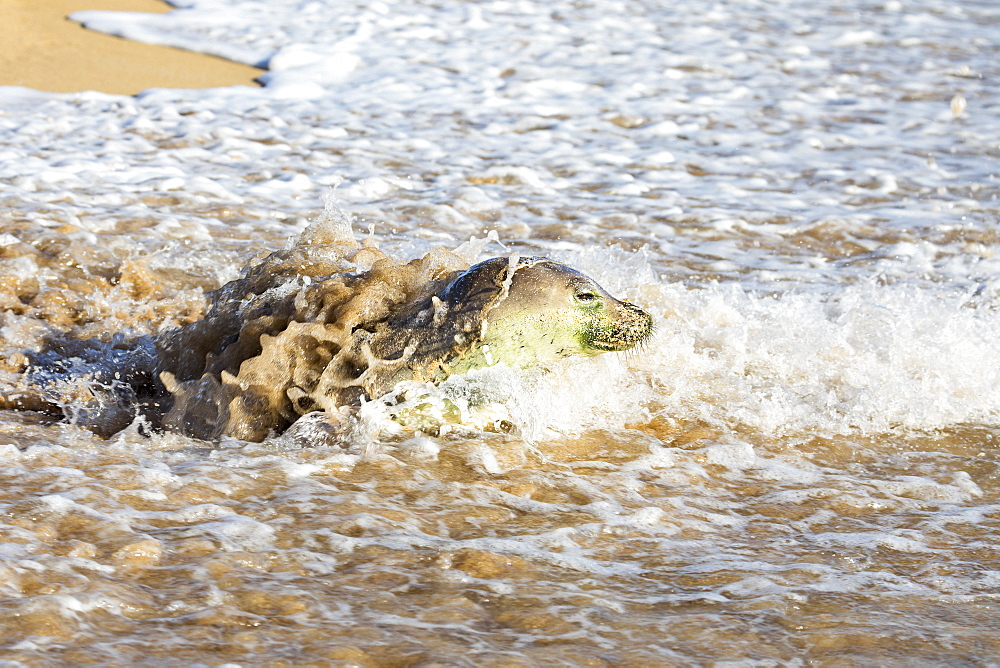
column 298, row 334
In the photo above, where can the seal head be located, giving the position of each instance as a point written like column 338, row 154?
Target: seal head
column 527, row 313
column 551, row 311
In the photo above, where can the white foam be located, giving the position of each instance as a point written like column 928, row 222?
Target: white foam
column 872, row 358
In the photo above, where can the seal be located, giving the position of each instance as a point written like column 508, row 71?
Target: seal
column 347, row 338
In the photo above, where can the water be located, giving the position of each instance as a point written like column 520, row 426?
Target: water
column 800, row 468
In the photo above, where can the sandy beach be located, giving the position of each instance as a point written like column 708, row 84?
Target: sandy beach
column 45, row 50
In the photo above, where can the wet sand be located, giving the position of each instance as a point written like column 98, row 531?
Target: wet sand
column 43, row 49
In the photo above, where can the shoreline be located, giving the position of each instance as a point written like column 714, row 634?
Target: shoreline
column 46, row 51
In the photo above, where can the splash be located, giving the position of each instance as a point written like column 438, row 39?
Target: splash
column 328, row 322
column 295, row 334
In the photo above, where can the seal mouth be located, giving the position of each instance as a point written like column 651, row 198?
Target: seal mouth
column 611, row 346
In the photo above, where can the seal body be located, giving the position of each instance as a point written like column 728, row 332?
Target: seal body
column 348, row 338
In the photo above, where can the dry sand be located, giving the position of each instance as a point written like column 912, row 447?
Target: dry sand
column 42, row 49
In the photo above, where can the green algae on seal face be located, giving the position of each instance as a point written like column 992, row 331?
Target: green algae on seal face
column 526, row 313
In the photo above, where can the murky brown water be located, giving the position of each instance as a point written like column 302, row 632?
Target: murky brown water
column 609, row 549
column 648, row 509
column 649, row 536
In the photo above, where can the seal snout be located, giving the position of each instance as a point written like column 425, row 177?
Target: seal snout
column 636, row 324
column 624, row 327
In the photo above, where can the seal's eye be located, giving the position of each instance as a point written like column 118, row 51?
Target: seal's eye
column 586, row 296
